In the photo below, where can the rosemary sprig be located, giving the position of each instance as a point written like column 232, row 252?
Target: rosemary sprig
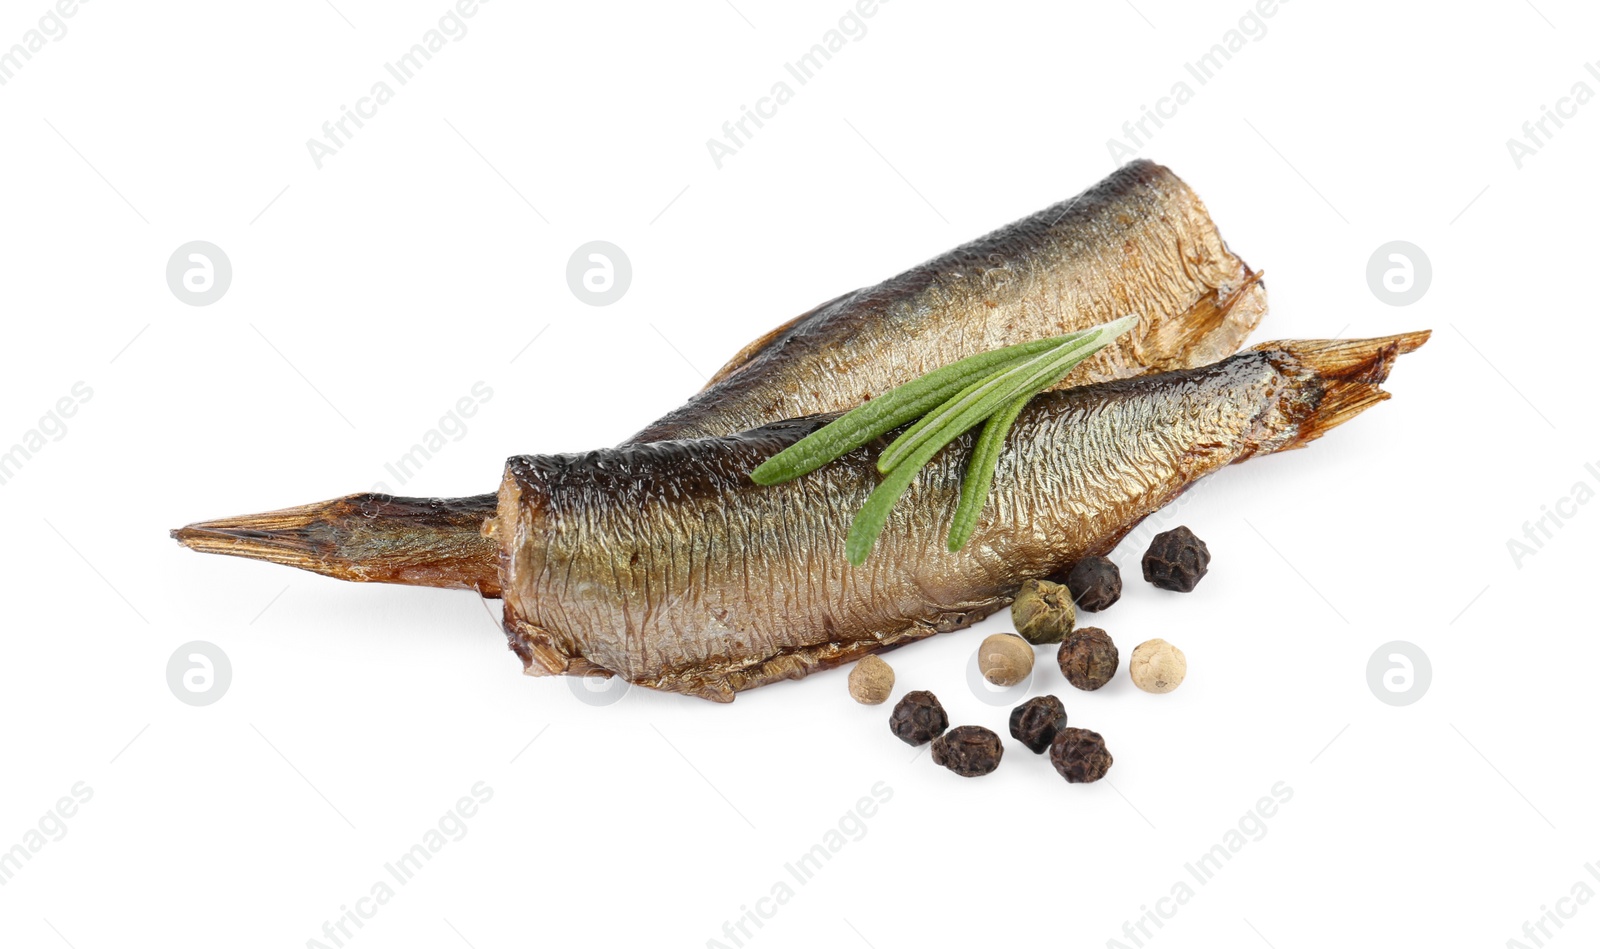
column 980, row 472
column 991, row 387
column 893, row 409
column 987, row 396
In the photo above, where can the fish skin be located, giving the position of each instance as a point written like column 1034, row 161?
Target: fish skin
column 664, row 564
column 1139, row 242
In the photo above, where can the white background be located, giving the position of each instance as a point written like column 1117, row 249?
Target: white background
column 372, row 294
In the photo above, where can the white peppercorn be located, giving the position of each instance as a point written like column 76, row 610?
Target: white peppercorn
column 1005, row 659
column 871, row 681
column 1157, row 666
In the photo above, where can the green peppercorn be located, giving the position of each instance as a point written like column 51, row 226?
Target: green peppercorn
column 1043, row 611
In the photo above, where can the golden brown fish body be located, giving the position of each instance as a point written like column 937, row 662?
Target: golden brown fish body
column 1139, row 242
column 664, row 564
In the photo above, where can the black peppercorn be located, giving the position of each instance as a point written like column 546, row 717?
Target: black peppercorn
column 969, row 750
column 1088, row 658
column 1036, row 722
column 1176, row 560
column 918, row 718
column 1096, row 583
column 1080, row 755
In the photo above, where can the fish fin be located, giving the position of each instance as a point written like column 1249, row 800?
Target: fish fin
column 435, row 542
column 755, row 347
column 1347, row 373
column 1212, row 329
column 543, row 653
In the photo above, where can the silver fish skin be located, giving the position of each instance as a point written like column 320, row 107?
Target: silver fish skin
column 664, row 564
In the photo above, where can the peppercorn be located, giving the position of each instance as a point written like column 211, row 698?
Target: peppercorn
column 1157, row 666
column 1005, row 659
column 1043, row 612
column 969, row 750
column 1176, row 560
column 1096, row 583
column 1036, row 722
column 871, row 681
column 1088, row 658
column 918, row 718
column 1080, row 755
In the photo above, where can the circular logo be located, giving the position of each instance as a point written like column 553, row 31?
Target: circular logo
column 199, row 273
column 599, row 273
column 990, row 694
column 599, row 690
column 199, row 673
column 1399, row 273
column 1399, row 673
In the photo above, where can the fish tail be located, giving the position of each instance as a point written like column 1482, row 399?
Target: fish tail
column 1341, row 379
column 375, row 538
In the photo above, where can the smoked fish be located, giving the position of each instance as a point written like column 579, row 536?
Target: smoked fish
column 663, row 563
column 1139, row 242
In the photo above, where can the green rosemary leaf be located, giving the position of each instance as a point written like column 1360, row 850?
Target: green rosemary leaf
column 980, row 472
column 893, row 409
column 874, row 514
column 987, row 396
